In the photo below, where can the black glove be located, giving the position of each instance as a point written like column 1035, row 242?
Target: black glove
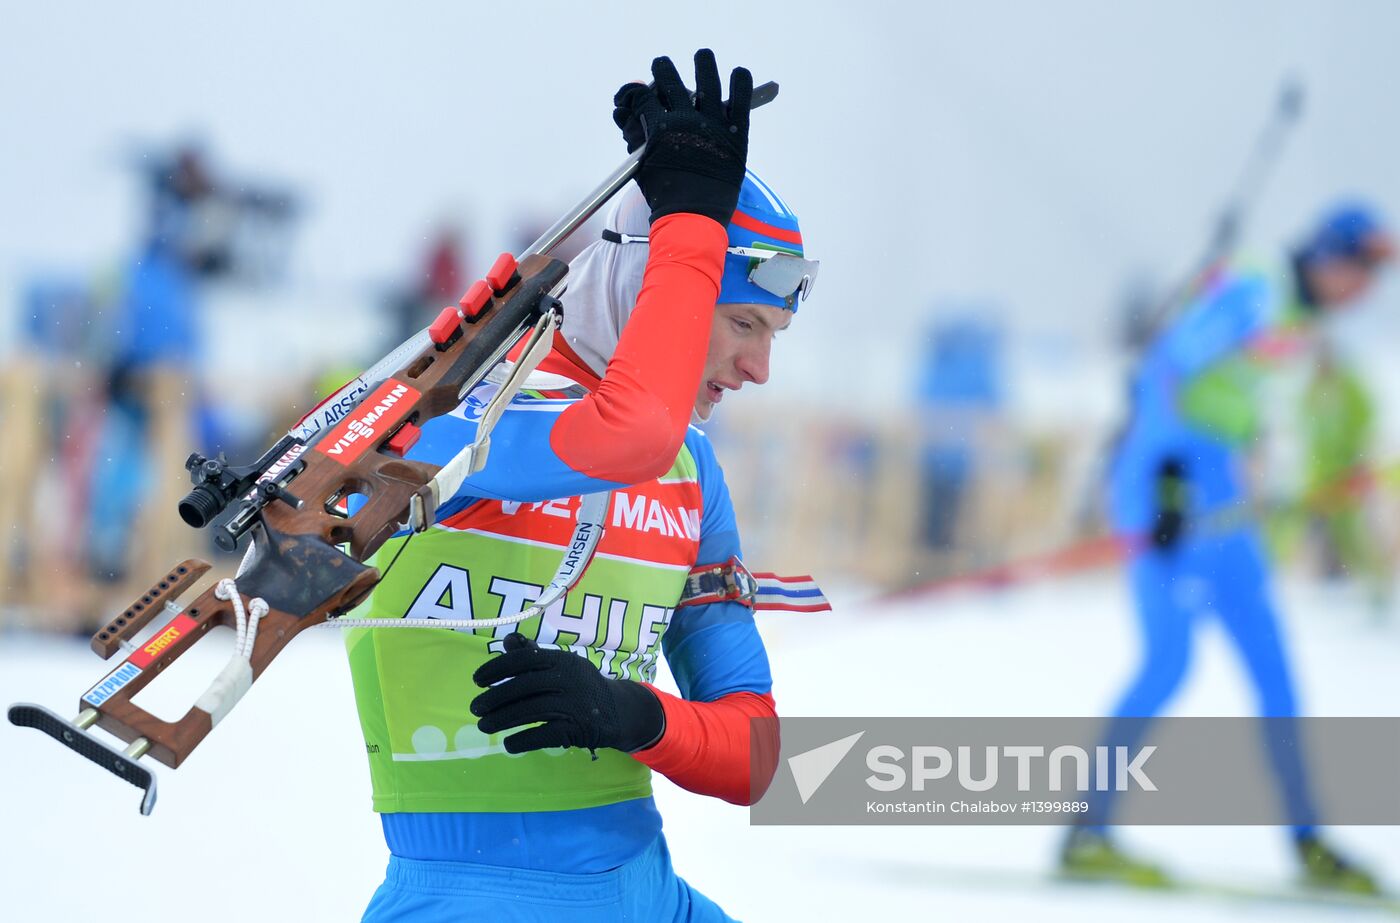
column 580, row 707
column 1170, row 520
column 696, row 150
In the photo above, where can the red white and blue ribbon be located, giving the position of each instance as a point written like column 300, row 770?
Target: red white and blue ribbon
column 789, row 594
column 731, row 580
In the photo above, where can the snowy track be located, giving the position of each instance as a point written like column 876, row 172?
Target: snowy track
column 269, row 818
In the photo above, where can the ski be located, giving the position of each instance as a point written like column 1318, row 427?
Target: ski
column 1294, row 894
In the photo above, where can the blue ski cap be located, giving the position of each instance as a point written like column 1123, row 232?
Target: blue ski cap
column 1349, row 231
column 762, row 221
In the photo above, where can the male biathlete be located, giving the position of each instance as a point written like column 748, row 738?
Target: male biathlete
column 511, row 766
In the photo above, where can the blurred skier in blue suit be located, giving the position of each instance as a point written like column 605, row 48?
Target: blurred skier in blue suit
column 1178, row 475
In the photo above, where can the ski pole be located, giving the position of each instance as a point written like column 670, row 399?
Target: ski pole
column 1269, row 144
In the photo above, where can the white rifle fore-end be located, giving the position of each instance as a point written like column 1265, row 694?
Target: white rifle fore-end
column 330, row 410
column 473, row 458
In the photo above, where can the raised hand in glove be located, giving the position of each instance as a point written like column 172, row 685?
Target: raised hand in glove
column 580, row 707
column 696, row 149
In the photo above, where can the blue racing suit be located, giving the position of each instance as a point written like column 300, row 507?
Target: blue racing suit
column 1193, row 409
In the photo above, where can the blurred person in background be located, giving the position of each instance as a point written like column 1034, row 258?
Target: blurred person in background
column 440, row 281
column 960, row 390
column 122, row 384
column 1177, row 475
column 1338, row 421
column 556, row 821
column 49, row 403
column 198, row 230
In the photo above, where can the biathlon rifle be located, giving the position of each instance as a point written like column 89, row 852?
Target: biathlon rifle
column 306, row 564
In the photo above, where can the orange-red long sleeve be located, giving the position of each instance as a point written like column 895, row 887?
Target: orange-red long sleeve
column 713, row 748
column 631, row 427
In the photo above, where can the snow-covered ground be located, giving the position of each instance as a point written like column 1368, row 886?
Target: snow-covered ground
column 269, row 819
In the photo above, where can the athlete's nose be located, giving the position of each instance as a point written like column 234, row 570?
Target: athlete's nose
column 753, row 361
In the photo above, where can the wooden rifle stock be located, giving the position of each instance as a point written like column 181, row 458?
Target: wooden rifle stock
column 297, row 566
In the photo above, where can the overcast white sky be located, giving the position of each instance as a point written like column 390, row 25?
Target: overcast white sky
column 1032, row 155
